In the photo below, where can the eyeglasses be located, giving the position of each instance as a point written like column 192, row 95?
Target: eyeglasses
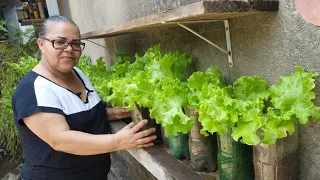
column 62, row 44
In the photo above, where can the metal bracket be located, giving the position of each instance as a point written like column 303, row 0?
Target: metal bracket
column 227, row 31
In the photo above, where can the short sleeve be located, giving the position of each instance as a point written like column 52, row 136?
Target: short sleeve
column 31, row 97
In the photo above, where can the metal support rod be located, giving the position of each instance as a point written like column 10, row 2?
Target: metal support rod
column 227, row 29
column 200, row 36
column 99, row 45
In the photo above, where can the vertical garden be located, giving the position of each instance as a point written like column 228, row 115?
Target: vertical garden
column 249, row 116
column 16, row 58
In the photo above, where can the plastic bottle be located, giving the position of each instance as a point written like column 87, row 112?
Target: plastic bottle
column 234, row 159
column 277, row 161
column 26, row 12
column 179, row 147
column 139, row 114
column 203, row 150
column 41, row 9
column 35, row 11
column 31, row 15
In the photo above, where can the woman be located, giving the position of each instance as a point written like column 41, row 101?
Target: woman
column 60, row 118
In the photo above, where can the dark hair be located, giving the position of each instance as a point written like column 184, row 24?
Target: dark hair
column 45, row 25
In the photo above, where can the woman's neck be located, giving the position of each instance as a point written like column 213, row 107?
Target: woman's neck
column 45, row 69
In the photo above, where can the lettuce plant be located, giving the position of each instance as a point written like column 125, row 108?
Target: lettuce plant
column 154, row 81
column 244, row 107
column 292, row 103
column 250, row 94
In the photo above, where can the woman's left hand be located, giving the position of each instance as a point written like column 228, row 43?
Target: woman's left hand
column 117, row 113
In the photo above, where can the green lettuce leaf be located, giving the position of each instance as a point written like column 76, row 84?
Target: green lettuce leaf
column 250, row 93
column 248, row 125
column 294, row 93
column 216, row 109
column 199, row 79
column 278, row 126
column 170, row 99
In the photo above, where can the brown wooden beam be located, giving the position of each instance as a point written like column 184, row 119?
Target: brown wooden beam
column 158, row 161
column 204, row 10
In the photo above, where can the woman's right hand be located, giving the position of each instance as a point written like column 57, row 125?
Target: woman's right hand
column 130, row 137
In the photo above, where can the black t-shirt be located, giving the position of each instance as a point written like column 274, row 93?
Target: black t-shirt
column 35, row 93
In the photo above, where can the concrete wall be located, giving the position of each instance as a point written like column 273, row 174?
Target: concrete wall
column 10, row 16
column 268, row 45
column 93, row 15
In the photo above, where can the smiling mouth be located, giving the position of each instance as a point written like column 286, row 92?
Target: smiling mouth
column 68, row 58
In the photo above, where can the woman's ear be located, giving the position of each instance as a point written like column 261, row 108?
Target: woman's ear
column 40, row 44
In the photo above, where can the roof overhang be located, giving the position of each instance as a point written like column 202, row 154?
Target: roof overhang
column 9, row 2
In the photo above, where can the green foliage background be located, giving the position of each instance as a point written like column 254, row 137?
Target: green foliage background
column 16, row 59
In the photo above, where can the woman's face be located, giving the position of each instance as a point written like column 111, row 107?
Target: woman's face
column 53, row 44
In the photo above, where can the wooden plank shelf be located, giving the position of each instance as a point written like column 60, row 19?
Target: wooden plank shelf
column 204, row 10
column 160, row 163
column 25, row 22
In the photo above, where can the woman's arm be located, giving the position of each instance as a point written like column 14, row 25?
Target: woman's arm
column 54, row 130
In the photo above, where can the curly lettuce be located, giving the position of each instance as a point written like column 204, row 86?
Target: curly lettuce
column 292, row 102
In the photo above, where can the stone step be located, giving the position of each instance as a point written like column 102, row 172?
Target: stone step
column 14, row 174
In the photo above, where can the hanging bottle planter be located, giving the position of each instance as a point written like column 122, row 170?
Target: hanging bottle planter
column 203, row 150
column 143, row 113
column 179, row 147
column 234, row 159
column 277, row 161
